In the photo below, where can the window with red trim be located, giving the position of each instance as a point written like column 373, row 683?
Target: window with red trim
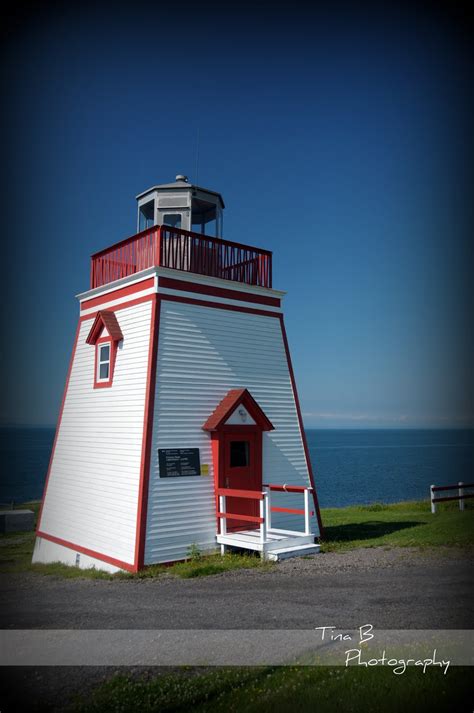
column 105, row 347
column 105, row 353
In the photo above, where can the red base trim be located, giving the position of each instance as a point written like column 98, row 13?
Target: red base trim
column 91, row 553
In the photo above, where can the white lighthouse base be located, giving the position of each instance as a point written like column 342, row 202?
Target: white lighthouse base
column 46, row 552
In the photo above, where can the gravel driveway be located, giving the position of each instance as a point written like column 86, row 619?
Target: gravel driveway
column 390, row 588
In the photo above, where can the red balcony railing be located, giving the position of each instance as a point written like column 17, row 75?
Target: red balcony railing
column 162, row 246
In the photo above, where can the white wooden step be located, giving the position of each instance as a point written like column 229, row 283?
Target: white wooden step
column 287, row 552
column 273, row 542
column 289, row 542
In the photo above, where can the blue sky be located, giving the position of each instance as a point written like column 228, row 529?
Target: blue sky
column 339, row 140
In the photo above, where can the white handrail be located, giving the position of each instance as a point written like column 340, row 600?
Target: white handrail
column 306, row 490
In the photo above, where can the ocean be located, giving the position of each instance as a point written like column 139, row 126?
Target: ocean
column 350, row 466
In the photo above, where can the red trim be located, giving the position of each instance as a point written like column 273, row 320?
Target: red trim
column 123, row 305
column 61, row 409
column 232, row 493
column 293, row 511
column 147, row 436
column 217, row 291
column 245, row 518
column 118, row 293
column 91, row 553
column 300, row 419
column 218, row 305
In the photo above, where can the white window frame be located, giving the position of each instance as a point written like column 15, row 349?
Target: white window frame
column 100, row 361
column 173, row 213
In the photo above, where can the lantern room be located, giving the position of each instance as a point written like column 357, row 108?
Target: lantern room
column 181, row 205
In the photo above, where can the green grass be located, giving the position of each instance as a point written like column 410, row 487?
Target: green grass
column 286, row 690
column 408, row 524
column 207, row 565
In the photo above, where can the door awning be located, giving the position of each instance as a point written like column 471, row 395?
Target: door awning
column 231, row 401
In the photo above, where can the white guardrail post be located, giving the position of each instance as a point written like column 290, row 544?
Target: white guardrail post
column 268, row 509
column 461, row 493
column 222, row 506
column 263, row 524
column 307, row 522
column 433, row 505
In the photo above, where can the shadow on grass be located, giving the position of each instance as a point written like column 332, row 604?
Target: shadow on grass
column 365, row 530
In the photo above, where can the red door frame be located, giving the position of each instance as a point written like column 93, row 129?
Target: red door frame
column 255, row 479
column 218, row 429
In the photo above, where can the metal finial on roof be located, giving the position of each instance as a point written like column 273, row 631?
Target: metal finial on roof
column 180, row 177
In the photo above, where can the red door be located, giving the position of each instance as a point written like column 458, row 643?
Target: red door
column 242, row 471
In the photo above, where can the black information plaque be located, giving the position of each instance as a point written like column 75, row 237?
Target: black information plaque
column 176, row 462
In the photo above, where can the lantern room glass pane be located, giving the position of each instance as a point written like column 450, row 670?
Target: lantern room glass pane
column 239, row 454
column 172, row 219
column 147, row 217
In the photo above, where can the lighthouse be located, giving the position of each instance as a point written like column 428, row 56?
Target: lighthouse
column 180, row 423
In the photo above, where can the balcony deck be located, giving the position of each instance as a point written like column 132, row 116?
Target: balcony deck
column 163, row 246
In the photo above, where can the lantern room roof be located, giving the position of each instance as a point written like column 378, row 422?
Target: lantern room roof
column 233, row 399
column 181, row 184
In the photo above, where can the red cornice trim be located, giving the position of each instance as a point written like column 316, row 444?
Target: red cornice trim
column 218, row 305
column 147, row 436
column 60, row 416
column 118, row 293
column 85, row 551
column 300, row 419
column 123, row 305
column 217, row 291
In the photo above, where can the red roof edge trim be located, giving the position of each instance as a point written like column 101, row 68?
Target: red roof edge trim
column 109, row 321
column 233, row 399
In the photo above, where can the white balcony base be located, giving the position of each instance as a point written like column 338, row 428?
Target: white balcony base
column 278, row 544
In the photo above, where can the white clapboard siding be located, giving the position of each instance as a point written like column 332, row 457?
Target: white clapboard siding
column 92, row 494
column 203, row 352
